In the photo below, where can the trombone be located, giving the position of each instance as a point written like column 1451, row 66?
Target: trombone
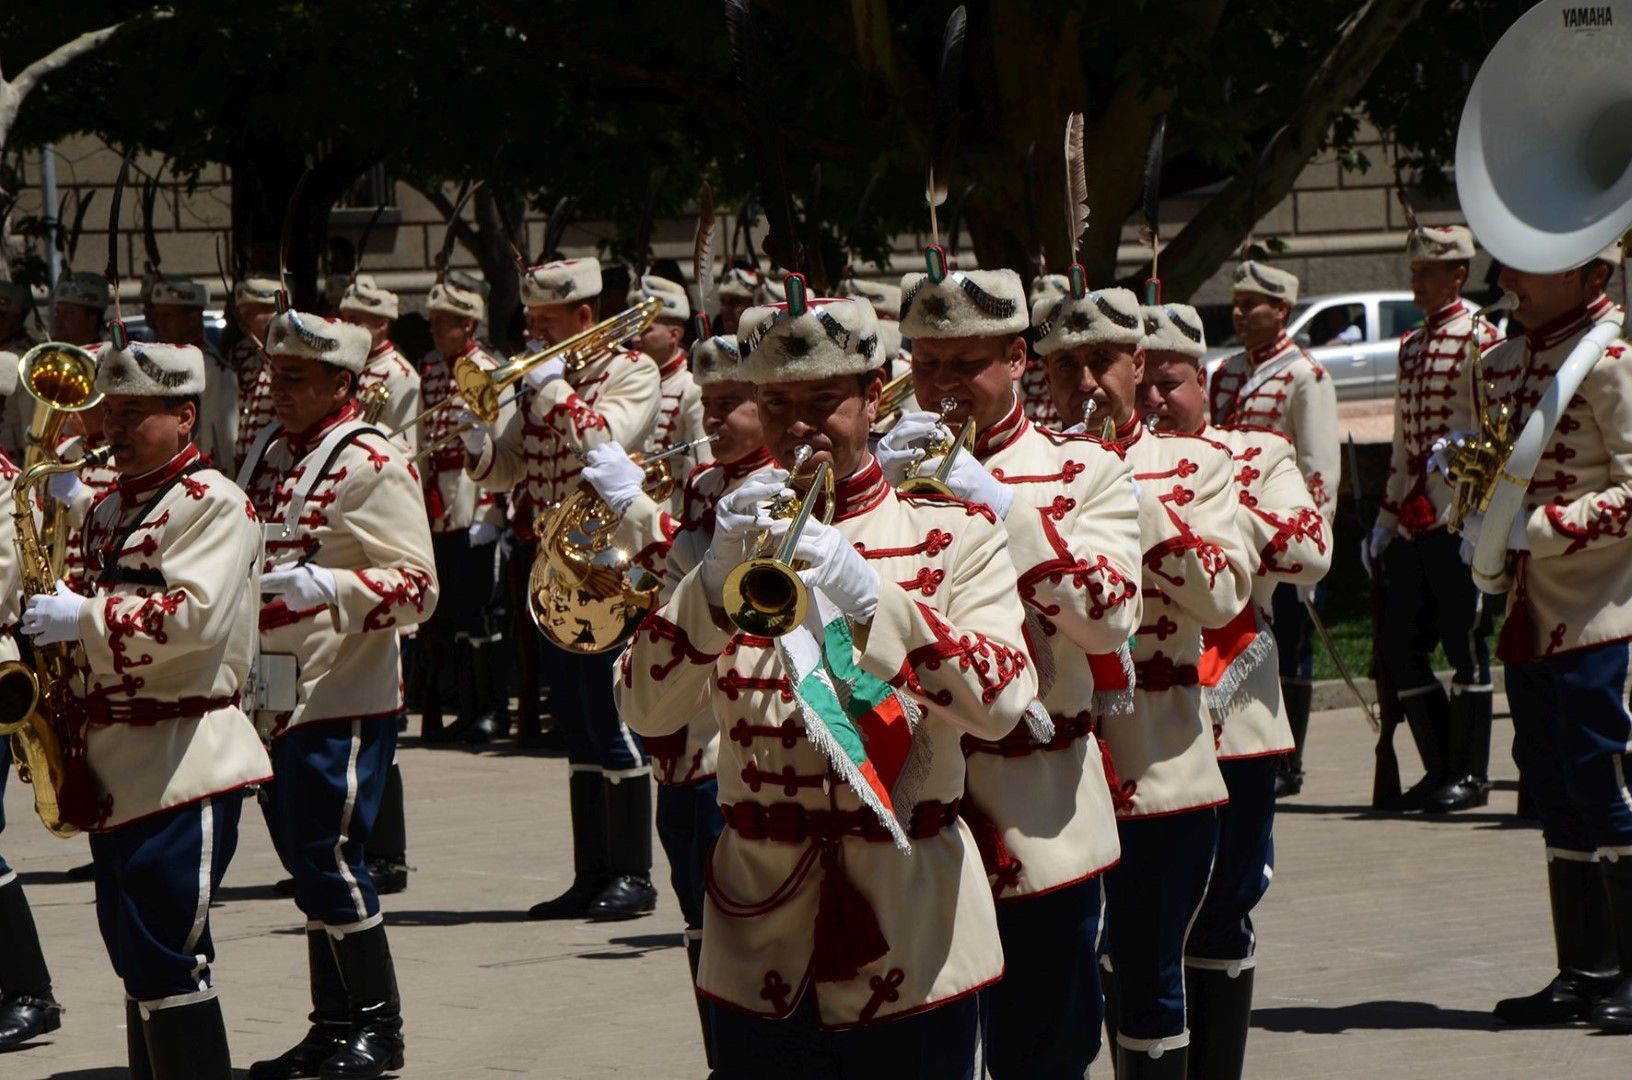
column 765, row 596
column 944, row 448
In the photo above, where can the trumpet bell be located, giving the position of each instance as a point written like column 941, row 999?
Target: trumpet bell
column 765, row 597
column 1544, row 150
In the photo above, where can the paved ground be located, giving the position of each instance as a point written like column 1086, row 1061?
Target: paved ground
column 1384, row 942
column 1366, row 421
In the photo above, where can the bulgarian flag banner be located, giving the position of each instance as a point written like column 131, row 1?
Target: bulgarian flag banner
column 858, row 721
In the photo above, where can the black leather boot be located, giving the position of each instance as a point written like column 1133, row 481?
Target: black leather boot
column 1467, row 782
column 586, row 791
column 330, row 1023
column 628, row 893
column 1613, row 1012
column 492, row 712
column 1584, row 937
column 189, row 1042
column 373, row 1045
column 464, row 689
column 1219, row 1011
column 387, row 847
column 136, row 1043
column 1138, row 1065
column 1428, row 716
column 694, row 957
column 1298, row 697
column 27, row 1009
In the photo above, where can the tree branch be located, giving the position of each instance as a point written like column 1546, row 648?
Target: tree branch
column 462, row 230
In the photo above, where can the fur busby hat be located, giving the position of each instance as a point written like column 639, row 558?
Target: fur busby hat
column 1052, row 286
column 565, row 282
column 676, row 304
column 1109, row 315
column 179, row 292
column 15, row 296
column 143, row 370
column 1174, row 328
column 773, row 288
column 1257, row 277
column 885, row 298
column 296, row 333
column 83, row 288
column 364, row 296
column 946, row 303
column 715, row 360
column 804, row 339
column 256, row 290
column 741, row 282
column 449, row 298
column 1449, row 243
column 889, row 339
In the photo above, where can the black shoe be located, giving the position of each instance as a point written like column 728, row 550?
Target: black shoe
column 1613, row 1011
column 487, row 727
column 1418, row 796
column 87, row 872
column 572, row 904
column 305, row 1058
column 24, row 1018
column 284, row 886
column 390, row 874
column 1288, row 784
column 1568, row 998
column 1584, row 937
column 626, row 896
column 373, row 1044
column 1462, row 793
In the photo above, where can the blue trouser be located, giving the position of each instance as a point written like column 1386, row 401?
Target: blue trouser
column 688, row 823
column 581, row 702
column 1432, row 598
column 1222, row 936
column 1294, row 635
column 938, row 1044
column 328, row 779
column 1044, row 1017
column 1151, row 896
column 1570, row 738
column 154, row 880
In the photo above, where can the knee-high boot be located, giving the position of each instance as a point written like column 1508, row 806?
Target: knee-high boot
column 694, row 957
column 373, row 1045
column 1298, row 697
column 1219, row 1015
column 188, row 1042
column 1613, row 1012
column 1428, row 716
column 629, row 892
column 27, row 1009
column 586, row 791
column 1467, row 760
column 1584, row 937
column 388, row 844
column 328, row 1016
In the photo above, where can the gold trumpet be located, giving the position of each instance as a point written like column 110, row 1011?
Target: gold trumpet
column 371, row 402
column 764, row 595
column 946, row 450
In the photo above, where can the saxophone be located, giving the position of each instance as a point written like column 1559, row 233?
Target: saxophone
column 37, row 704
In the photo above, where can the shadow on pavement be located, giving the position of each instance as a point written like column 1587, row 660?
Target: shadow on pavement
column 454, row 918
column 1371, row 1016
column 635, row 947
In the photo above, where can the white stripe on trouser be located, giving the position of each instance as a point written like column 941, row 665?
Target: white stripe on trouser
column 7, row 878
column 201, row 915
column 175, row 1001
column 338, row 932
column 345, row 821
column 1620, row 783
column 614, row 775
column 1568, row 855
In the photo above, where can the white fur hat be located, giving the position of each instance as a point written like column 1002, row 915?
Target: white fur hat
column 83, row 288
column 453, row 300
column 808, row 339
column 1448, row 243
column 741, row 282
column 889, row 339
column 1109, row 315
column 8, row 373
column 564, row 282
column 143, row 370
column 1052, row 286
column 676, row 305
column 1174, row 328
column 296, row 333
column 715, row 360
column 1257, row 277
column 15, row 296
column 963, row 303
column 256, row 290
column 773, row 288
column 885, row 298
column 180, row 292
column 366, row 297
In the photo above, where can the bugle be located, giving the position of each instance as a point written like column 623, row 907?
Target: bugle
column 764, row 595
column 944, row 448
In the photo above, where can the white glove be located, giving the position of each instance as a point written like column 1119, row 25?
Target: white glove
column 304, row 587
column 1518, row 534
column 736, row 529
column 53, row 619
column 475, row 436
column 64, row 487
column 614, row 476
column 1371, row 548
column 482, row 533
column 1439, row 458
column 1079, row 428
column 902, row 446
column 970, row 482
column 545, row 373
column 833, row 565
column 1306, row 594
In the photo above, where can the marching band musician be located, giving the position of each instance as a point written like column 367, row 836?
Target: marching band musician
column 613, row 397
column 1034, row 392
column 1431, row 595
column 1037, row 798
column 254, row 302
column 80, row 302
column 349, row 563
column 1275, row 384
column 367, row 305
column 738, row 287
column 172, row 550
column 1564, row 645
column 680, row 416
column 818, row 926
column 886, row 301
column 1164, row 776
column 177, row 318
column 1287, row 537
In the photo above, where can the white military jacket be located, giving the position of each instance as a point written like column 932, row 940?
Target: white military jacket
column 1433, row 399
column 167, row 637
column 364, row 520
column 95, row 482
column 1287, row 543
column 389, row 368
column 452, row 499
column 536, row 450
column 679, row 420
column 1282, row 387
column 1039, row 802
column 1573, row 588
column 1197, row 574
column 947, row 633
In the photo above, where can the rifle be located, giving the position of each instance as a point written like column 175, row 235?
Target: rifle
column 1385, row 777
